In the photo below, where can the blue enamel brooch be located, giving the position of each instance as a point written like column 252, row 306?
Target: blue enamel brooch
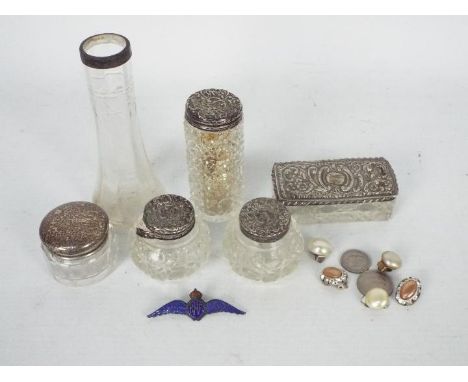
column 196, row 308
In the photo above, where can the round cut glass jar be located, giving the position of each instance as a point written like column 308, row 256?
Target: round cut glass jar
column 171, row 243
column 76, row 241
column 214, row 138
column 264, row 243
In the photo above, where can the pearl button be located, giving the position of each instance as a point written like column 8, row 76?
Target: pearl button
column 319, row 248
column 376, row 298
column 389, row 262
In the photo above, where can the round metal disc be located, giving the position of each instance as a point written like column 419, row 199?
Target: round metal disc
column 264, row 220
column 355, row 261
column 167, row 217
column 374, row 279
column 74, row 229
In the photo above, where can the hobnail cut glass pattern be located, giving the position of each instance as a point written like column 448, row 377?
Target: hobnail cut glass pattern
column 342, row 213
column 85, row 270
column 263, row 261
column 173, row 259
column 215, row 165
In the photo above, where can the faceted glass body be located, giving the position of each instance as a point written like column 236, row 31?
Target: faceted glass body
column 342, row 213
column 263, row 261
column 215, row 165
column 126, row 181
column 83, row 270
column 173, row 259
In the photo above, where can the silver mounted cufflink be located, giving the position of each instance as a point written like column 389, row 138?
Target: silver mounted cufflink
column 389, row 261
column 408, row 291
column 336, row 277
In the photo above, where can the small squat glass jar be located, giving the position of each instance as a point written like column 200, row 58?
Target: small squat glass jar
column 76, row 240
column 171, row 243
column 264, row 243
column 214, row 137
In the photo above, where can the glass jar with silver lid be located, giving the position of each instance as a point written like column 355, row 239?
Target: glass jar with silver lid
column 339, row 190
column 263, row 243
column 171, row 242
column 214, row 138
column 76, row 240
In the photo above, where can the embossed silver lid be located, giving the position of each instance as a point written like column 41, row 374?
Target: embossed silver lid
column 340, row 181
column 264, row 220
column 167, row 217
column 74, row 229
column 213, row 110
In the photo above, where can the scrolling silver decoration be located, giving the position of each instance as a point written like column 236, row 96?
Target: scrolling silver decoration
column 264, row 220
column 213, row 110
column 167, row 217
column 332, row 191
column 334, row 181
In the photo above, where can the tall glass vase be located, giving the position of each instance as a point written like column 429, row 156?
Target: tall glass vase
column 125, row 182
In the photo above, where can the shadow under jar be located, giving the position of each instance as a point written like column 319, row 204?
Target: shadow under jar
column 263, row 243
column 214, row 138
column 171, row 242
column 76, row 241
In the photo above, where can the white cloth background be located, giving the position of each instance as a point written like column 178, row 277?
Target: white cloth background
column 312, row 88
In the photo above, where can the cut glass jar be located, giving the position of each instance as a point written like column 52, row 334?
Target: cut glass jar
column 331, row 191
column 76, row 241
column 263, row 243
column 171, row 242
column 214, row 139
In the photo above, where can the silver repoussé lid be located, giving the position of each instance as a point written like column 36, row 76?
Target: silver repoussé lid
column 213, row 110
column 334, row 181
column 167, row 217
column 74, row 229
column 264, row 220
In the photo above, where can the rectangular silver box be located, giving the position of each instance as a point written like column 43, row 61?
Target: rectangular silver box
column 341, row 190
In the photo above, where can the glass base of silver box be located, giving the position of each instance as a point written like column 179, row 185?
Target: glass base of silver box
column 342, row 213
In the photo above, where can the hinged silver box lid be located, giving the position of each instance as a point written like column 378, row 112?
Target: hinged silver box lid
column 339, row 181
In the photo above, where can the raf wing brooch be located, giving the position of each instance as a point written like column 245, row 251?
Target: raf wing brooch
column 196, row 308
